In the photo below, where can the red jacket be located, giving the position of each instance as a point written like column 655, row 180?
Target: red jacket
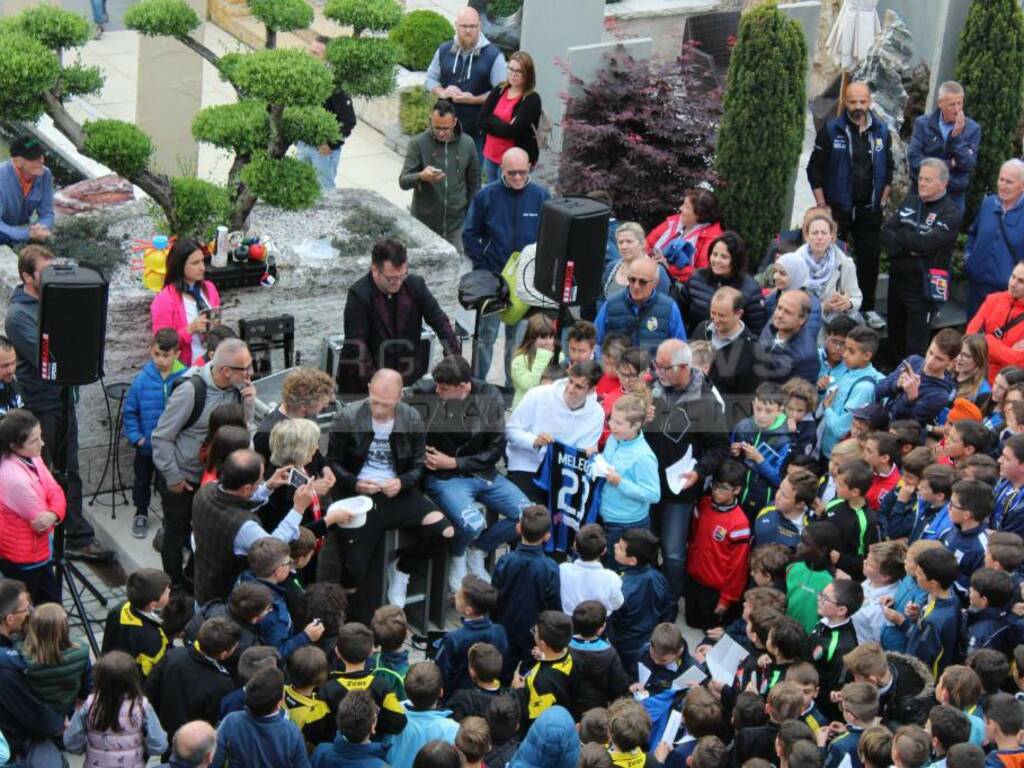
column 168, row 311
column 24, row 493
column 997, row 310
column 882, row 486
column 719, row 545
column 668, row 229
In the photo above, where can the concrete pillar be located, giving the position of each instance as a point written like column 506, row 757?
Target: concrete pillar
column 166, row 105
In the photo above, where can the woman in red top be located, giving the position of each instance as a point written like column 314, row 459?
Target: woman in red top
column 187, row 303
column 698, row 224
column 510, row 115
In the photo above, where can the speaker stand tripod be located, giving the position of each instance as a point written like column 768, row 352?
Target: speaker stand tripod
column 67, row 572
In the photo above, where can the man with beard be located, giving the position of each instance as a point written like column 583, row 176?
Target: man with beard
column 850, row 172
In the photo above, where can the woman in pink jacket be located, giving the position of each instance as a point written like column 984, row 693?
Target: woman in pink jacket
column 31, row 504
column 186, row 301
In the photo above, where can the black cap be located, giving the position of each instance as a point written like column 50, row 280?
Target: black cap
column 28, row 147
column 874, row 414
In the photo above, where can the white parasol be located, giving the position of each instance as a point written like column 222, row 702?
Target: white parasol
column 853, row 33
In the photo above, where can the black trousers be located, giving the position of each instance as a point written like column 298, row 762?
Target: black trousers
column 143, row 484
column 78, row 530
column 701, row 601
column 177, row 530
column 910, row 315
column 364, row 557
column 861, row 230
column 41, row 581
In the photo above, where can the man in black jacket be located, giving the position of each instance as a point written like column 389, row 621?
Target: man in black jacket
column 465, row 420
column 689, row 417
column 377, row 448
column 919, row 238
column 384, row 314
column 736, row 349
column 28, row 725
column 325, row 157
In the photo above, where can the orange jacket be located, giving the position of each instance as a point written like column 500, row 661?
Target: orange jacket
column 999, row 309
column 24, row 493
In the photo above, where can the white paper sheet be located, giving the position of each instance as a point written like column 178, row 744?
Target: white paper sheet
column 724, row 659
column 674, row 473
column 691, row 677
column 675, row 719
column 601, row 466
column 643, row 674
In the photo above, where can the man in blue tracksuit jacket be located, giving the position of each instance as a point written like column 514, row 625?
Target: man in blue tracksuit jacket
column 503, row 219
column 26, row 188
column 995, row 242
column 951, row 136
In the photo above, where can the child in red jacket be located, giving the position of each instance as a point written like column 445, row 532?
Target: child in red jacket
column 716, row 558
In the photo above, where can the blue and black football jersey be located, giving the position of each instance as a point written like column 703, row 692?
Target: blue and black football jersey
column 574, row 493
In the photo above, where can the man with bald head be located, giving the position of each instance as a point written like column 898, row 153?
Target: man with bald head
column 503, row 219
column 644, row 314
column 732, row 370
column 949, row 135
column 465, row 70
column 787, row 348
column 996, row 240
column 378, row 449
column 194, row 745
column 850, row 171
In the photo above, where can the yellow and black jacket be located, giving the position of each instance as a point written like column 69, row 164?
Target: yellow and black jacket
column 312, row 715
column 392, row 714
column 547, row 684
column 135, row 633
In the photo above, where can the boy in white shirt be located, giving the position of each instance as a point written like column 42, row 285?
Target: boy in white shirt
column 883, row 570
column 586, row 578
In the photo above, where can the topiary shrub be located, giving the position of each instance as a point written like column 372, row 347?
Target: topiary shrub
column 282, row 181
column 199, row 207
column 644, row 132
column 364, row 66
column 414, row 110
column 499, row 9
column 418, row 35
column 86, row 239
column 118, row 145
column 990, row 67
column 762, row 124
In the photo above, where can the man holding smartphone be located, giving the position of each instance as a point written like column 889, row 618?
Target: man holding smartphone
column 443, row 171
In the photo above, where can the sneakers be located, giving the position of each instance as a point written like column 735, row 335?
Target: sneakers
column 456, row 572
column 398, row 585
column 475, row 558
column 158, row 540
column 874, row 320
column 98, row 33
column 140, row 526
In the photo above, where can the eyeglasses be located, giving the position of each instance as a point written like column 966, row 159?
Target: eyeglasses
column 246, row 368
column 659, row 367
column 27, row 609
column 638, row 281
column 721, row 487
column 826, row 599
column 516, row 173
column 515, row 71
column 287, row 563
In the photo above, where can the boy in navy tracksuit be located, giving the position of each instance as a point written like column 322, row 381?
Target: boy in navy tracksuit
column 967, row 540
column 474, row 602
column 860, row 711
column 528, row 583
column 989, row 621
column 647, row 598
column 262, row 728
column 933, row 492
column 602, row 678
column 934, row 631
column 856, row 522
column 143, row 405
column 762, row 443
column 665, row 658
column 781, row 523
column 1004, row 718
column 269, row 562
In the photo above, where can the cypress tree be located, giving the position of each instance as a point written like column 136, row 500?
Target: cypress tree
column 762, row 124
column 990, row 67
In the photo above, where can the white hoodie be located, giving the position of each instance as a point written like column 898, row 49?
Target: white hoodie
column 543, row 409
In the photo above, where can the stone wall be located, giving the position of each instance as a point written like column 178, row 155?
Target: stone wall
column 311, row 287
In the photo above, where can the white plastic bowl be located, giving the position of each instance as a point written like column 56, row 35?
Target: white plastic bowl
column 359, row 505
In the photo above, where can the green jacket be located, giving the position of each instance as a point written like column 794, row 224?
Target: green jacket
column 441, row 205
column 59, row 685
column 802, row 588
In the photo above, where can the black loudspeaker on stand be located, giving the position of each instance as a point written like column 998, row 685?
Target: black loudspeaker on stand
column 571, row 245
column 72, row 335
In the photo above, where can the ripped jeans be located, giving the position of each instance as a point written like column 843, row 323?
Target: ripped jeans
column 458, row 496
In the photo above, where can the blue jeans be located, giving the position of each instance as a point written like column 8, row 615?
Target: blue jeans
column 483, row 349
column 326, row 166
column 457, row 498
column 99, row 11
column 491, row 171
column 613, row 532
column 672, row 521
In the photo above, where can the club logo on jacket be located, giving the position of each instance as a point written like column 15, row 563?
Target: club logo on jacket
column 652, row 324
column 719, row 533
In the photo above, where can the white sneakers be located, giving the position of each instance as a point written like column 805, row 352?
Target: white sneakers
column 456, row 572
column 398, row 585
column 476, row 564
column 874, row 320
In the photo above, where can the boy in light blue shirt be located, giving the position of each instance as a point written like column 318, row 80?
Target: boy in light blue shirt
column 851, row 390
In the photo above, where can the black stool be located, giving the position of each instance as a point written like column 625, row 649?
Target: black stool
column 115, row 393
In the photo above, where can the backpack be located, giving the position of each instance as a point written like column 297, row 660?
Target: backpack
column 199, row 389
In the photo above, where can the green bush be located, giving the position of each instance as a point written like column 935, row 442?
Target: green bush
column 282, row 15
column 363, row 15
column 286, row 182
column 498, row 9
column 199, row 207
column 414, row 110
column 56, row 28
column 282, row 76
column 27, row 68
column 418, row 35
column 762, row 124
column 173, row 18
column 88, row 239
column 990, row 67
column 242, row 127
column 79, row 80
column 364, row 66
column 313, row 125
column 120, row 146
